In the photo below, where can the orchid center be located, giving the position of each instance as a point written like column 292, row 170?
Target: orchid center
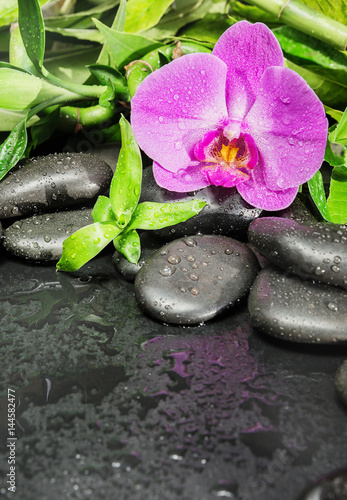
column 227, row 155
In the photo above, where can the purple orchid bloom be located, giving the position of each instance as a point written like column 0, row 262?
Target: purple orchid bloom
column 236, row 117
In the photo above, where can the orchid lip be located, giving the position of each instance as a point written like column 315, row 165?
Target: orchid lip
column 226, row 154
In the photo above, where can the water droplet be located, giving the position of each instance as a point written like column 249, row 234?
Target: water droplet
column 167, row 270
column 174, row 259
column 285, row 100
column 337, row 259
column 318, row 271
column 178, row 145
column 47, row 238
column 335, row 269
column 161, row 119
column 333, row 307
column 193, row 277
column 203, row 72
column 190, row 242
column 228, row 251
column 194, row 291
column 176, row 97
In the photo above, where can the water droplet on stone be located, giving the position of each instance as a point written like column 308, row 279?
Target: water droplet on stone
column 333, row 307
column 190, row 242
column 174, row 259
column 167, row 270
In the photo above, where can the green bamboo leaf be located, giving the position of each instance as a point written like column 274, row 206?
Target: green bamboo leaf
column 102, row 211
column 126, row 183
column 32, row 29
column 86, row 243
column 18, row 55
column 150, row 215
column 316, row 188
column 208, row 29
column 21, row 91
column 331, row 94
column 313, row 55
column 81, row 19
column 73, row 64
column 10, row 118
column 337, row 199
column 125, row 47
column 142, row 14
column 336, row 9
column 80, row 34
column 115, row 82
column 339, row 135
column 9, row 11
column 42, row 130
column 336, row 114
column 119, row 21
column 13, row 148
column 128, row 243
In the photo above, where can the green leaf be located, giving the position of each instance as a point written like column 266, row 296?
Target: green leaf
column 9, row 11
column 331, row 94
column 336, row 9
column 85, row 244
column 115, row 81
column 144, row 14
column 32, row 30
column 253, row 14
column 44, row 128
column 313, row 55
column 150, row 215
column 337, row 199
column 335, row 154
column 339, row 135
column 316, row 188
column 10, row 118
column 128, row 243
column 208, row 29
column 12, row 149
column 21, row 90
column 102, row 211
column 125, row 47
column 17, row 53
column 72, row 65
column 336, row 114
column 126, row 183
column 80, row 34
column 81, row 19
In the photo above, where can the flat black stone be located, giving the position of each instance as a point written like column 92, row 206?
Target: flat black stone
column 341, row 381
column 53, row 182
column 192, row 279
column 316, row 251
column 41, row 237
column 333, row 486
column 297, row 310
column 225, row 213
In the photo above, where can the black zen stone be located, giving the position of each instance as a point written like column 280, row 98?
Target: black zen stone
column 293, row 309
column 333, row 486
column 53, row 182
column 225, row 213
column 192, row 279
column 41, row 237
column 313, row 250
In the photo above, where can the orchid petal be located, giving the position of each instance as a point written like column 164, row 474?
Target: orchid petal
column 256, row 193
column 183, row 181
column 247, row 49
column 176, row 105
column 289, row 127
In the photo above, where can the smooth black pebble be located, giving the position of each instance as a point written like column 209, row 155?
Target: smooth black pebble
column 290, row 308
column 225, row 213
column 40, row 237
column 53, row 182
column 193, row 279
column 316, row 251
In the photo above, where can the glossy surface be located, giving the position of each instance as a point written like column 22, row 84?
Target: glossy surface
column 115, row 404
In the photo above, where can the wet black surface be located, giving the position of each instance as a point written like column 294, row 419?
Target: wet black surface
column 113, row 404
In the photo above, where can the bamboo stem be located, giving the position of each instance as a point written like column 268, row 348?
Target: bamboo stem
column 298, row 15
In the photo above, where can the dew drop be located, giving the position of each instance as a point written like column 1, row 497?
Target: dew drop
column 228, row 251
column 335, row 269
column 194, row 291
column 167, row 270
column 190, row 242
column 176, row 97
column 174, row 259
column 193, row 277
column 161, row 119
column 333, row 307
column 285, row 100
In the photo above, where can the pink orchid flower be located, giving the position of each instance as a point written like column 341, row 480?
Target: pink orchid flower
column 236, row 117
